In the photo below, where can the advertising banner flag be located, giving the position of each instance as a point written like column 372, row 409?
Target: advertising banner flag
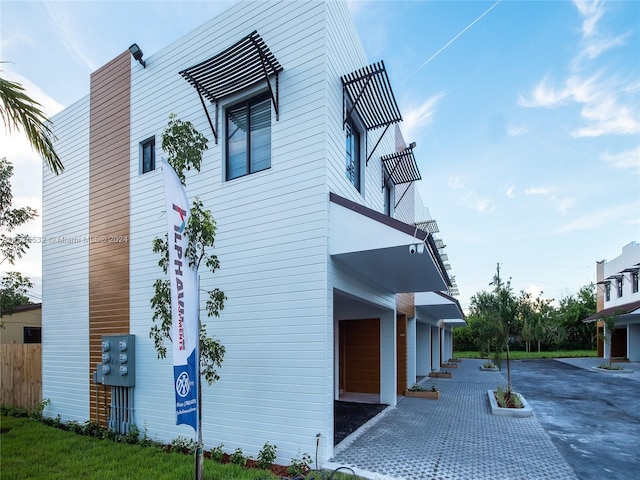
column 184, row 301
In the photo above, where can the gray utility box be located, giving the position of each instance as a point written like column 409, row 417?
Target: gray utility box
column 118, row 367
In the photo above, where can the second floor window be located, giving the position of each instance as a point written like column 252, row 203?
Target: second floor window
column 619, row 286
column 388, row 195
column 248, row 147
column 607, row 292
column 634, row 281
column 353, row 153
column 149, row 155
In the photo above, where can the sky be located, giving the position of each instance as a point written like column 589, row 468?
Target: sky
column 526, row 116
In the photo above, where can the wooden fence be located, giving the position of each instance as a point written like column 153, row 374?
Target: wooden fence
column 21, row 374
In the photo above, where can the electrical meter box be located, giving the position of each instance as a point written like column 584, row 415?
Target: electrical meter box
column 118, row 367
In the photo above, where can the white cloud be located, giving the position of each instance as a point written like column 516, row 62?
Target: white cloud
column 510, row 191
column 544, row 95
column 626, row 213
column 629, row 159
column 606, row 116
column 69, row 33
column 538, row 191
column 595, row 47
column 516, row 131
column 591, row 11
column 419, row 117
column 561, row 204
column 476, row 202
column 456, row 183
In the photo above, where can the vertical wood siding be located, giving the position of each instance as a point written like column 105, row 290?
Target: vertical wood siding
column 109, row 147
column 21, row 374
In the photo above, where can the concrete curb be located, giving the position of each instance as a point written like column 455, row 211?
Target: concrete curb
column 525, row 411
column 612, row 372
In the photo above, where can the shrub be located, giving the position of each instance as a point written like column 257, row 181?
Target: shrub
column 217, row 453
column 267, row 455
column 300, row 464
column 238, row 458
column 183, row 444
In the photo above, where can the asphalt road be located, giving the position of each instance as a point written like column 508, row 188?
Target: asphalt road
column 592, row 418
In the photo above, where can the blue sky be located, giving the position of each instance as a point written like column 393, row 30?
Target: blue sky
column 526, row 116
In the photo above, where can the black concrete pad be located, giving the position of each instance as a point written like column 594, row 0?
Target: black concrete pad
column 349, row 416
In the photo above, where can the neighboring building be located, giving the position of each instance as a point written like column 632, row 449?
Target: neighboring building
column 330, row 281
column 618, row 294
column 24, row 325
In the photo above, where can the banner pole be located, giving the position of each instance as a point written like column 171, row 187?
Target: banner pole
column 199, row 452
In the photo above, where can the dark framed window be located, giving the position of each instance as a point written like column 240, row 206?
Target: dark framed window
column 32, row 335
column 607, row 291
column 148, row 155
column 619, row 286
column 353, row 156
column 248, row 137
column 634, row 281
column 389, row 197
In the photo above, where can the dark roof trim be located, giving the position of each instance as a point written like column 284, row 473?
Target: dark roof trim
column 243, row 64
column 617, row 310
column 401, row 166
column 398, row 225
column 452, row 299
column 25, row 308
column 370, row 95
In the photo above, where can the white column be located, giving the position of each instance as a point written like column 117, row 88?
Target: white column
column 411, row 351
column 423, row 349
column 388, row 358
column 633, row 342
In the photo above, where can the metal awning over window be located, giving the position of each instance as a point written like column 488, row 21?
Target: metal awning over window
column 243, row 64
column 370, row 95
column 401, row 167
column 367, row 92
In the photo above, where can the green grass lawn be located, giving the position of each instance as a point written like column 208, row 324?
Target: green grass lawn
column 518, row 355
column 31, row 450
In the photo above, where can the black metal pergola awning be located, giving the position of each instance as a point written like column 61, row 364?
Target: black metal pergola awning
column 368, row 92
column 401, row 167
column 243, row 64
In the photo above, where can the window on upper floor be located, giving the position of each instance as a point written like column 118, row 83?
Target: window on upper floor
column 248, row 137
column 607, row 291
column 619, row 286
column 148, row 155
column 389, row 194
column 353, row 153
column 634, row 281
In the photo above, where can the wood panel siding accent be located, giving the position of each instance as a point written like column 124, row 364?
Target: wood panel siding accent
column 109, row 151
column 401, row 339
column 360, row 356
column 405, row 304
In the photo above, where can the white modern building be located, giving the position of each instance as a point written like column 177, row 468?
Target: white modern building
column 618, row 294
column 332, row 287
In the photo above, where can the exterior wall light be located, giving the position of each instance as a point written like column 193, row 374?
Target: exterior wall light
column 137, row 54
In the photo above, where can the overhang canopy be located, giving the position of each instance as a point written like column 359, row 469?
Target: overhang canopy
column 370, row 95
column 620, row 310
column 243, row 64
column 439, row 306
column 378, row 249
column 401, row 166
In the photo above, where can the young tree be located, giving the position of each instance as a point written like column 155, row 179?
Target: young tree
column 13, row 292
column 607, row 336
column 12, row 246
column 19, row 111
column 185, row 147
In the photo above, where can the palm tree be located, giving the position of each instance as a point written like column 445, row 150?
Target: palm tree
column 19, row 111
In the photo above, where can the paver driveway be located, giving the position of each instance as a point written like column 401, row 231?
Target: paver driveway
column 586, row 426
column 593, row 418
